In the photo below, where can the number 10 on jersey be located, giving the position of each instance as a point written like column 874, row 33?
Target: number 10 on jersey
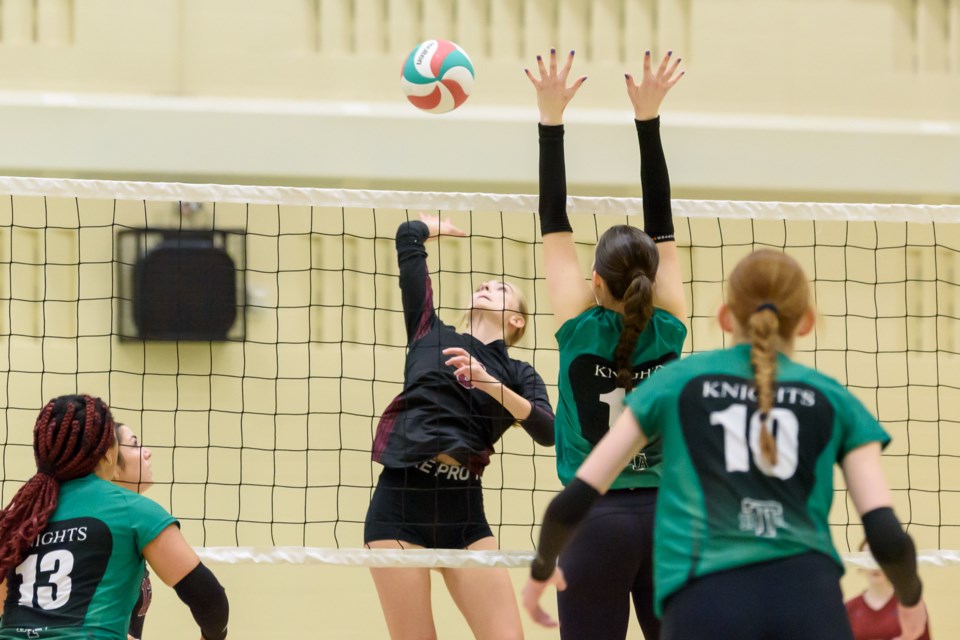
column 741, row 433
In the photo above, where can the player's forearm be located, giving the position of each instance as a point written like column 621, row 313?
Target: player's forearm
column 553, row 181
column 518, row 406
column 202, row 592
column 655, row 182
column 536, row 421
column 895, row 552
column 416, row 289
column 565, row 513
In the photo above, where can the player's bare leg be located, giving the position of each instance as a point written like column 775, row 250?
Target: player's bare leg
column 486, row 598
column 404, row 597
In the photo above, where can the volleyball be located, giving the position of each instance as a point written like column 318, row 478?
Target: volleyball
column 437, row 76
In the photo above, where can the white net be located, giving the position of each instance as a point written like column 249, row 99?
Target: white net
column 261, row 441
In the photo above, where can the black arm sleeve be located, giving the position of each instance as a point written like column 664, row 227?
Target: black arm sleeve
column 207, row 600
column 655, row 182
column 561, row 520
column 415, row 285
column 553, row 181
column 539, row 424
column 895, row 552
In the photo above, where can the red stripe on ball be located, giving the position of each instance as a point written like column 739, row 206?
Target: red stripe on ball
column 429, row 101
column 459, row 95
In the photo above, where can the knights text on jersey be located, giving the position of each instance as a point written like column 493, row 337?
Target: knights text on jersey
column 589, row 399
column 722, row 505
column 82, row 576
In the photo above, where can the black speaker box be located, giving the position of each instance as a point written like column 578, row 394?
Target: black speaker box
column 184, row 287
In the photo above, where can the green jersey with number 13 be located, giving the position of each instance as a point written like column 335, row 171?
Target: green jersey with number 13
column 82, row 576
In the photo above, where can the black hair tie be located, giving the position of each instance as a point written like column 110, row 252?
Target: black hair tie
column 767, row 305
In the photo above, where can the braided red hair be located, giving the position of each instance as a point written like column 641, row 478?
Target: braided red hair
column 72, row 434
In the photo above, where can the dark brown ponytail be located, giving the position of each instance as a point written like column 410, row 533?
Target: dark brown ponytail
column 627, row 260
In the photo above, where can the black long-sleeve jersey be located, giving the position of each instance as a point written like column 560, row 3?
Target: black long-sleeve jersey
column 435, row 414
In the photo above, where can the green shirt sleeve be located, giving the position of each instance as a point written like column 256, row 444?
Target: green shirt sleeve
column 148, row 519
column 859, row 426
column 648, row 401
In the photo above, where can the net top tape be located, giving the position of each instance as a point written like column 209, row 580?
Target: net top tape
column 439, row 201
column 456, row 558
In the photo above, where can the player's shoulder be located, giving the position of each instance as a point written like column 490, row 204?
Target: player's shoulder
column 663, row 319
column 823, row 382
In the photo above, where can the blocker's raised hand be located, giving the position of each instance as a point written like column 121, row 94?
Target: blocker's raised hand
column 553, row 94
column 647, row 96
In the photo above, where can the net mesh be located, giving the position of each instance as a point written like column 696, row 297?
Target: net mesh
column 263, row 440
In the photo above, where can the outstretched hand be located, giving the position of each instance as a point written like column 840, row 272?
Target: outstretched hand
column 647, row 96
column 532, row 593
column 553, row 94
column 440, row 228
column 913, row 621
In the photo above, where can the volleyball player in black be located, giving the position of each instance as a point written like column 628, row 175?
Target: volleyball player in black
column 461, row 392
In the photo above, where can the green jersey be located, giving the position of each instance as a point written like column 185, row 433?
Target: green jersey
column 721, row 504
column 81, row 578
column 590, row 400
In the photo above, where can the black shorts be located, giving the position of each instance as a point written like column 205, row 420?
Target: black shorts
column 433, row 505
column 797, row 598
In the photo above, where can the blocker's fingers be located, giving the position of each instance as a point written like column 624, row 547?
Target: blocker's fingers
column 566, row 66
column 663, row 63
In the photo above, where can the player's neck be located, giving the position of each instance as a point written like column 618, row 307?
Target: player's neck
column 485, row 327
column 785, row 347
column 878, row 595
column 105, row 470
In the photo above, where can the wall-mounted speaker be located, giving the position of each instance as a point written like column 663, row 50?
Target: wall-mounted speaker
column 181, row 284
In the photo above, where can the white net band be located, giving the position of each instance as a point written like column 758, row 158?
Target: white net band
column 455, row 558
column 348, row 198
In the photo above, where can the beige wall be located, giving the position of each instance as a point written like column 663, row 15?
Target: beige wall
column 830, row 100
column 898, row 58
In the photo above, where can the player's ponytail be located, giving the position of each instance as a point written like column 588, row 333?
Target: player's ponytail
column 70, row 437
column 769, row 295
column 763, row 328
column 627, row 260
column 637, row 309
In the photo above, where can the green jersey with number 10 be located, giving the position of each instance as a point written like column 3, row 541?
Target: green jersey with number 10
column 82, row 576
column 721, row 504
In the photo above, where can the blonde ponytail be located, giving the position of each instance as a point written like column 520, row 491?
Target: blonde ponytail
column 763, row 328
